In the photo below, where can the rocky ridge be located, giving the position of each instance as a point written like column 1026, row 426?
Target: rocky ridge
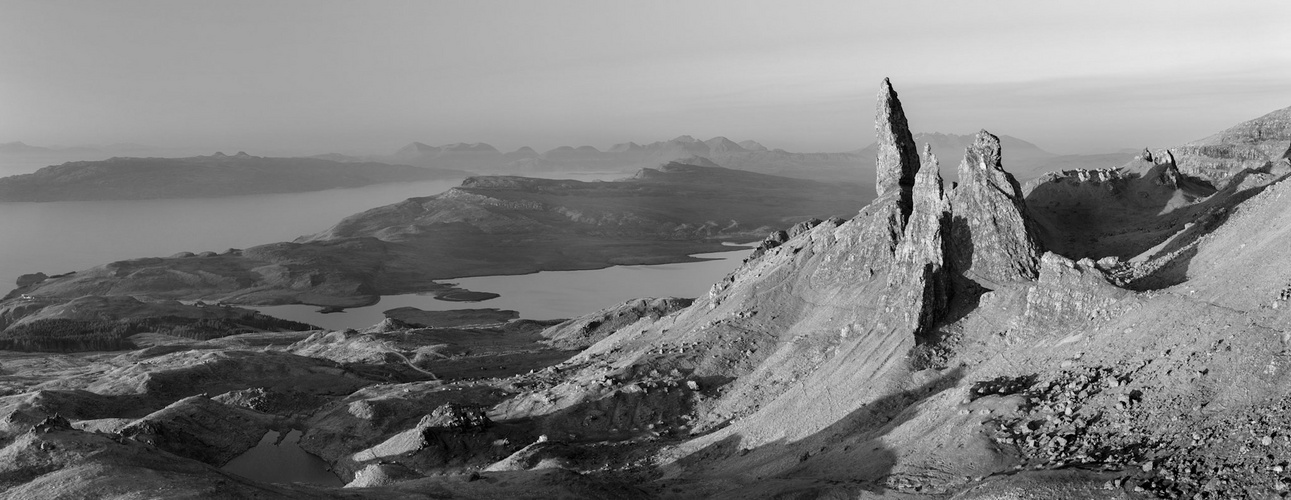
column 1261, row 144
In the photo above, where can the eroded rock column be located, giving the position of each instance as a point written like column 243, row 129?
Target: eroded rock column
column 919, row 285
column 898, row 157
column 992, row 239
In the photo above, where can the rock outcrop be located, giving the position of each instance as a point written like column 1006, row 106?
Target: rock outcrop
column 991, row 233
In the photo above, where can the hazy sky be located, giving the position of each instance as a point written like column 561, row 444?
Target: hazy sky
column 351, row 76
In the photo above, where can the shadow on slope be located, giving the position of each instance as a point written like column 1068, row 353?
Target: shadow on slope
column 1118, row 212
column 1168, row 263
column 797, row 469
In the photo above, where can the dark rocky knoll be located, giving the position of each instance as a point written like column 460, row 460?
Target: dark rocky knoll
column 487, row 226
column 203, row 177
column 934, row 346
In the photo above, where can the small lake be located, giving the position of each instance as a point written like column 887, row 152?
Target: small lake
column 544, row 295
column 272, row 461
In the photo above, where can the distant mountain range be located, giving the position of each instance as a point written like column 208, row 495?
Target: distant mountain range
column 1022, row 158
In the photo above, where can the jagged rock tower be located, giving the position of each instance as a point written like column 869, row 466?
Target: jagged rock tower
column 920, row 269
column 992, row 238
column 898, row 158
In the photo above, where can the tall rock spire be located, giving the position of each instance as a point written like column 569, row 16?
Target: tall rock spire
column 898, row 157
column 991, row 234
column 919, row 286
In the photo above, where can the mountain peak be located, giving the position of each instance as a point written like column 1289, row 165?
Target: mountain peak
column 416, row 149
column 722, row 144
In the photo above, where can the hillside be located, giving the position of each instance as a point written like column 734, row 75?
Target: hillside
column 202, row 177
column 939, row 344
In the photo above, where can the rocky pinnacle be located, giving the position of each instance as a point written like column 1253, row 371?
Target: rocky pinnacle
column 991, row 233
column 898, row 158
column 1170, row 173
column 920, row 282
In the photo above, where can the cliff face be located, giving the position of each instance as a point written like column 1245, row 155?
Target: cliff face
column 1259, row 144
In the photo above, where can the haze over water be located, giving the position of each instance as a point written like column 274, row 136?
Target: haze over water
column 59, row 237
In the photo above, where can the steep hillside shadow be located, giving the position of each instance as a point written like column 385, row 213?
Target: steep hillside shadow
column 1124, row 216
column 855, row 439
column 960, row 248
column 935, row 348
column 1172, row 271
column 1170, row 264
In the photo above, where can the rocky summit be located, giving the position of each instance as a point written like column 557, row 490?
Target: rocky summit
column 1115, row 333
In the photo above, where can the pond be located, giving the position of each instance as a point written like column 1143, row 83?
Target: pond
column 281, row 460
